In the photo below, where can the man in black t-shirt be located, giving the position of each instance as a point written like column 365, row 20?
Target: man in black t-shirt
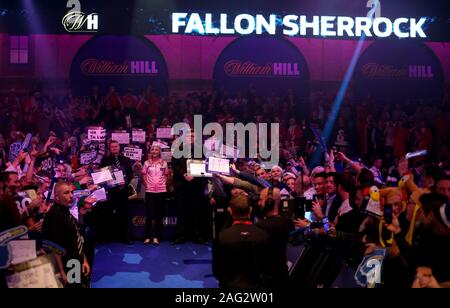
column 241, row 253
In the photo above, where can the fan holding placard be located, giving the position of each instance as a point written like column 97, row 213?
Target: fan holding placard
column 118, row 195
column 192, row 219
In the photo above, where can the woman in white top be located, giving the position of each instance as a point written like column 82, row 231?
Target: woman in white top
column 155, row 174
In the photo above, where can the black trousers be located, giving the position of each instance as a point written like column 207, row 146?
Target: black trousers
column 193, row 213
column 113, row 216
column 154, row 209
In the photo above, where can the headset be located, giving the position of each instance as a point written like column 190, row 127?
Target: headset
column 269, row 205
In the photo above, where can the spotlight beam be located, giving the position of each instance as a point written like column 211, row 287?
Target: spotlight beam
column 342, row 90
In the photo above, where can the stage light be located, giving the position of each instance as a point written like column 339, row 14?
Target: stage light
column 342, row 90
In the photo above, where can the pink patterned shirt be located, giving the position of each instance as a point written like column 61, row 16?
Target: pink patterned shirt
column 154, row 174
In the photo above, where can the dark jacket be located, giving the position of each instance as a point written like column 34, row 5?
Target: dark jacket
column 334, row 207
column 350, row 222
column 61, row 229
column 179, row 168
column 278, row 230
column 431, row 250
column 9, row 214
column 241, row 258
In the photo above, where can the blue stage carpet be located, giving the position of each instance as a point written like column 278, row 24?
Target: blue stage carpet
column 164, row 266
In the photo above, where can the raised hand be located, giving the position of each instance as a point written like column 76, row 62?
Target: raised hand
column 22, row 155
column 36, row 227
column 301, row 161
column 394, row 226
column 317, row 208
column 425, row 279
column 341, row 156
column 56, row 150
column 331, row 156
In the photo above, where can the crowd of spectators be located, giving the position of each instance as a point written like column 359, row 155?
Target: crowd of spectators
column 321, row 194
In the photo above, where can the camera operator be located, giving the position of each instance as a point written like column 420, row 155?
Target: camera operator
column 278, row 230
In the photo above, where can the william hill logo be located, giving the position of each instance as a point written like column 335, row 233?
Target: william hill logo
column 80, row 22
column 139, row 221
column 94, row 66
column 237, row 68
column 385, row 71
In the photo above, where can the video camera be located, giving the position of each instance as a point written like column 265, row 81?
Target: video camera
column 293, row 208
column 297, row 207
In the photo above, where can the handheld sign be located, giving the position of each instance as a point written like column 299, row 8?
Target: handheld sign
column 218, row 165
column 96, row 133
column 164, row 133
column 197, row 168
column 22, row 251
column 87, row 158
column 37, row 273
column 121, row 137
column 118, row 178
column 416, row 154
column 133, row 153
column 99, row 195
column 138, row 135
column 102, row 176
column 26, row 142
column 230, row 152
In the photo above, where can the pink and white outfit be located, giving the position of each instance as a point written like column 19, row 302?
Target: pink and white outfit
column 154, row 173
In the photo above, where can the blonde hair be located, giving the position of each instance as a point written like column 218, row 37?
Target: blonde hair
column 154, row 146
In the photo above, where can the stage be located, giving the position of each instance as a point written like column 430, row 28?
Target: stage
column 164, row 266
